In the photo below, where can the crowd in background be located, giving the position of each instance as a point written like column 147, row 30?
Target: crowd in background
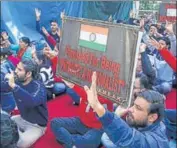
column 28, row 81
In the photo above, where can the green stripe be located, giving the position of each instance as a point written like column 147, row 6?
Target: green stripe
column 92, row 45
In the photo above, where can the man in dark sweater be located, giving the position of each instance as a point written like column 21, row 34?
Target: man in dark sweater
column 30, row 96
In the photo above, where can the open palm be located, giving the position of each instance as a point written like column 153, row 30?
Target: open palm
column 91, row 92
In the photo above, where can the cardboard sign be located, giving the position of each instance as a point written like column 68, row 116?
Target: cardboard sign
column 109, row 49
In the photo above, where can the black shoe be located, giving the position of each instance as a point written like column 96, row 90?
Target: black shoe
column 75, row 104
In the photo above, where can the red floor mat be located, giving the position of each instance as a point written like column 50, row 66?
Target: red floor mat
column 60, row 107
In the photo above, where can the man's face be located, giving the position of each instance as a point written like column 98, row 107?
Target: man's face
column 152, row 30
column 159, row 25
column 22, row 44
column 163, row 44
column 20, row 73
column 54, row 26
column 138, row 113
column 137, row 86
column 139, row 64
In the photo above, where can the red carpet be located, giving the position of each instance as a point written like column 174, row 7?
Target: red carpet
column 60, row 107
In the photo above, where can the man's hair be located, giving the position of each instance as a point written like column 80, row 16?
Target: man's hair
column 53, row 20
column 31, row 66
column 9, row 132
column 26, row 40
column 144, row 82
column 5, row 51
column 156, row 101
column 153, row 25
column 42, row 57
column 166, row 40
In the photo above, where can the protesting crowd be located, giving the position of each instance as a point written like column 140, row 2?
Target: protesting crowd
column 29, row 82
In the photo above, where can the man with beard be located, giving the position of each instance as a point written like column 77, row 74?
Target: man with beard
column 30, row 96
column 143, row 128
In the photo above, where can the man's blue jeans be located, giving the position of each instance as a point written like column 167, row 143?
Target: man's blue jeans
column 59, row 88
column 73, row 95
column 162, row 87
column 72, row 132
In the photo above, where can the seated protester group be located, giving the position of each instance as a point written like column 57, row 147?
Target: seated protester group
column 47, row 76
column 30, row 96
column 164, row 78
column 29, row 91
column 7, row 99
column 144, row 66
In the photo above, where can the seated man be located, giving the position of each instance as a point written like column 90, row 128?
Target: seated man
column 84, row 131
column 141, row 84
column 143, row 126
column 54, row 31
column 30, row 96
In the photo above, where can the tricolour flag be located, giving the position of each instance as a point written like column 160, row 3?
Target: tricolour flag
column 93, row 37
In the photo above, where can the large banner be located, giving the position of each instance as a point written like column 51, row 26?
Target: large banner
column 109, row 49
column 167, row 12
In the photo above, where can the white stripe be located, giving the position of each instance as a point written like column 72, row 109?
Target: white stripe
column 100, row 38
column 171, row 12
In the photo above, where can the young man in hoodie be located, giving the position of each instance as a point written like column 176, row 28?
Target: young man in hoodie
column 31, row 98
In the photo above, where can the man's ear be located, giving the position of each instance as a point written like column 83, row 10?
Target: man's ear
column 29, row 74
column 152, row 117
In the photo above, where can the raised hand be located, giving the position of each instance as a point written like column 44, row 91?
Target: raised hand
column 92, row 93
column 156, row 44
column 69, row 84
column 38, row 14
column 142, row 48
column 11, row 79
column 110, row 18
column 169, row 27
column 62, row 14
column 33, row 50
column 121, row 111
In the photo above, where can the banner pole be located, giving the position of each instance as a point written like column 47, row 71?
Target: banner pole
column 140, row 34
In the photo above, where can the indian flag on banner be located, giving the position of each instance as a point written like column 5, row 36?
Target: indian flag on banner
column 93, row 37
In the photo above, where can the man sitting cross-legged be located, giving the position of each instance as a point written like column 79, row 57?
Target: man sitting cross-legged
column 84, row 131
column 31, row 97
